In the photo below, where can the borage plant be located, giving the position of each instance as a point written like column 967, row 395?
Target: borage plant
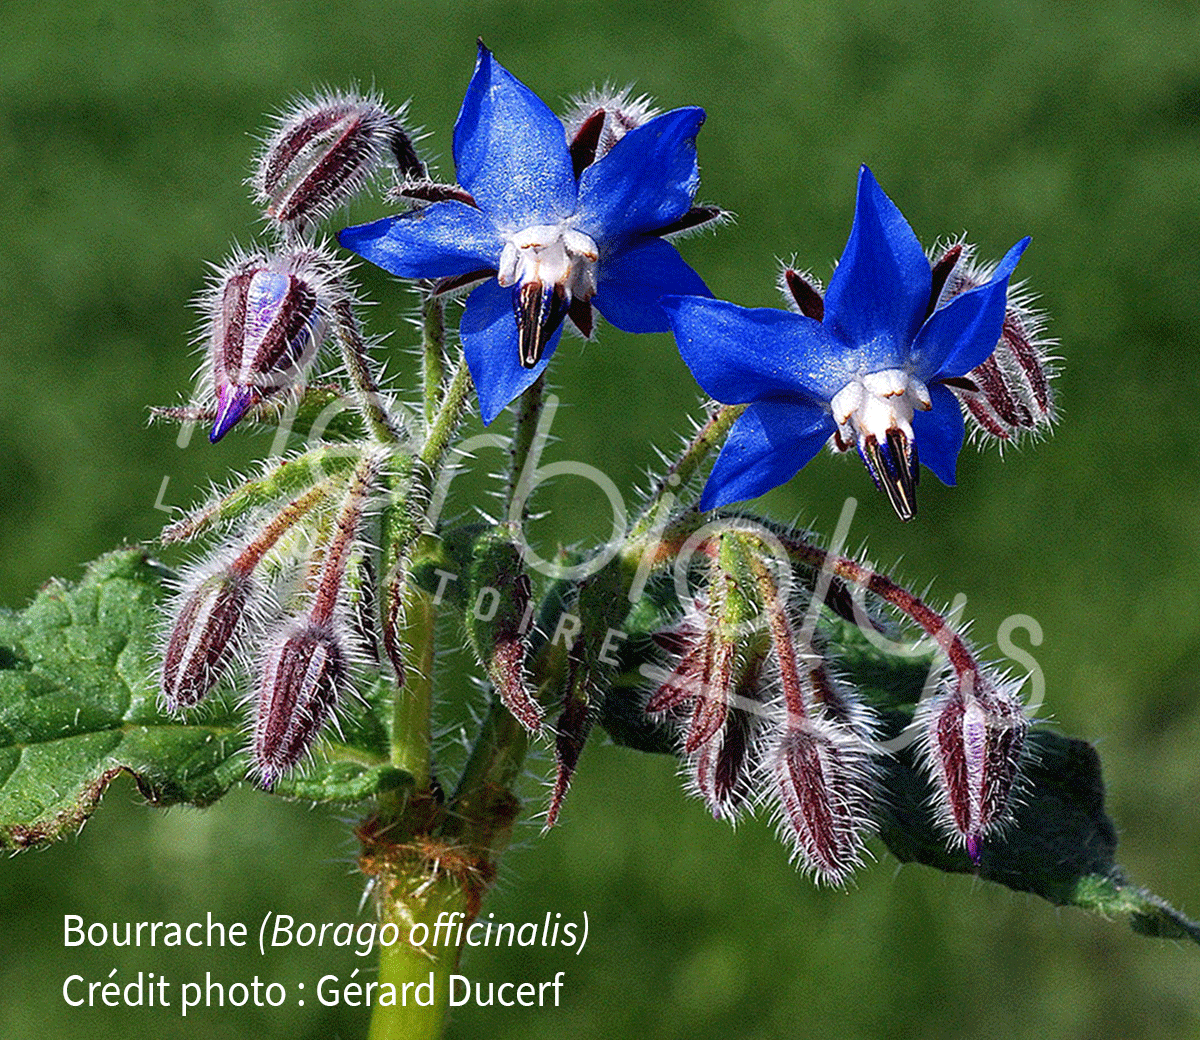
column 300, row 650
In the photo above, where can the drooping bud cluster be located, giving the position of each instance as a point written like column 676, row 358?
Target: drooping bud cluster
column 764, row 716
column 268, row 310
column 760, row 717
column 972, row 731
column 230, row 609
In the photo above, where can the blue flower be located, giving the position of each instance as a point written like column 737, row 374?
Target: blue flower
column 553, row 232
column 870, row 365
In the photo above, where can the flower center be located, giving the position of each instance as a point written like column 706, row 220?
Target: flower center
column 874, row 412
column 549, row 266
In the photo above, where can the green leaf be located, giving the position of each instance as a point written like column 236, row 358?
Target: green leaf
column 78, row 706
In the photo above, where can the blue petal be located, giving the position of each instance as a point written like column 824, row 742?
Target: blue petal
column 768, row 445
column 879, row 294
column 964, row 333
column 489, row 334
column 632, row 282
column 740, row 354
column 445, row 239
column 647, row 180
column 510, row 151
column 939, row 434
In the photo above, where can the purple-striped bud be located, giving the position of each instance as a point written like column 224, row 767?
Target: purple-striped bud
column 715, row 690
column 820, row 773
column 1009, row 394
column 822, row 785
column 203, row 638
column 324, row 151
column 266, row 323
column 972, row 742
column 598, row 119
column 303, row 674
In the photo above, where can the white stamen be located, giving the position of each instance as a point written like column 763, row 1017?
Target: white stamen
column 552, row 254
column 871, row 404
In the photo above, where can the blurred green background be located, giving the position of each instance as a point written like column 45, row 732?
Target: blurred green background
column 125, row 131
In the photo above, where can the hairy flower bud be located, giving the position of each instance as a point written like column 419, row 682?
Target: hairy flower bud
column 499, row 616
column 822, row 786
column 303, row 675
column 717, row 688
column 266, row 322
column 1009, row 394
column 598, row 119
column 972, row 744
column 324, row 151
column 820, row 772
column 202, row 638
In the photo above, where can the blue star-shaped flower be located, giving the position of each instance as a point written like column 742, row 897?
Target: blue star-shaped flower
column 553, row 232
column 868, row 365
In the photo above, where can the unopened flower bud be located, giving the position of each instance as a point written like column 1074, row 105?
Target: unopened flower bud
column 499, row 616
column 303, row 675
column 821, row 772
column 1009, row 394
column 823, row 789
column 324, row 151
column 202, row 638
column 716, row 689
column 598, row 119
column 266, row 322
column 973, row 740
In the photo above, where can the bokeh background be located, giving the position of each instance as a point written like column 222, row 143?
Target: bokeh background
column 125, row 132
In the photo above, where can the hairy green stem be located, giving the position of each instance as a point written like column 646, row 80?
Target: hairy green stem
column 709, row 437
column 358, row 365
column 528, row 413
column 434, row 352
column 412, row 738
column 445, row 421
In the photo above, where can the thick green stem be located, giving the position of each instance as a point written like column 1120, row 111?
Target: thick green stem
column 412, row 738
column 419, row 976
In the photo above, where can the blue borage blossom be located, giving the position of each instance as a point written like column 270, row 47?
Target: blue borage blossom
column 553, row 231
column 869, row 365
